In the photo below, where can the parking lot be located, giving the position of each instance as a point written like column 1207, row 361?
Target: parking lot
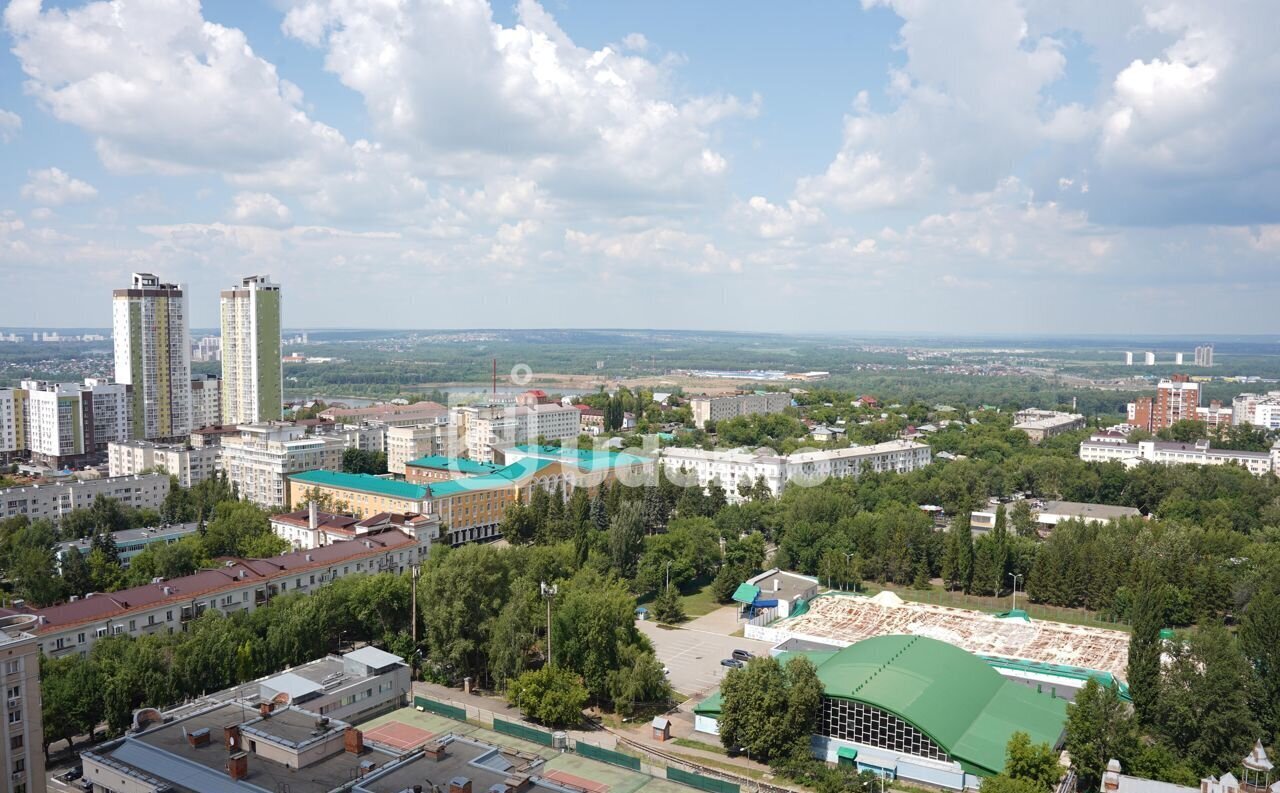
column 694, row 656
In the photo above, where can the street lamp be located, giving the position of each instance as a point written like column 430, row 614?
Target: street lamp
column 668, row 574
column 848, row 563
column 414, row 572
column 1015, row 577
column 549, row 592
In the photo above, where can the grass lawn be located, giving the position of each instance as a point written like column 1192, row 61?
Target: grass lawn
column 689, row 743
column 695, row 596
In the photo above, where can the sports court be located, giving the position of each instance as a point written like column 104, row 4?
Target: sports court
column 398, row 735
column 581, row 773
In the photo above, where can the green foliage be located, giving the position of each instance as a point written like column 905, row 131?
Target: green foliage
column 1260, row 642
column 626, row 538
column 551, row 695
column 1099, row 728
column 1034, row 763
column 1145, row 648
column 238, row 529
column 770, row 710
column 638, row 681
column 361, row 461
column 667, row 607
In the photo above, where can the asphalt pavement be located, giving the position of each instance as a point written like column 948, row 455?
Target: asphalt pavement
column 693, row 656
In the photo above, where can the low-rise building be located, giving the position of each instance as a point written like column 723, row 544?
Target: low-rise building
column 52, row 500
column 1041, row 424
column 192, row 465
column 21, row 750
column 352, row 687
column 130, row 542
column 165, row 606
column 437, row 468
column 389, row 415
column 309, row 528
column 259, row 461
column 707, row 408
column 1055, row 512
column 1105, row 449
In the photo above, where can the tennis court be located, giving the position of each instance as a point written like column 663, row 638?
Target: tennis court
column 571, row 780
column 576, row 771
column 398, row 735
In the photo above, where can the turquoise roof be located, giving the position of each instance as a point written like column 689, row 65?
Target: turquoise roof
column 505, row 477
column 363, row 482
column 460, row 465
column 746, row 593
column 586, row 460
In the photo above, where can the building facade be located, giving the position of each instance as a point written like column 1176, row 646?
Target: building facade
column 153, row 356
column 1260, row 410
column 252, row 372
column 1042, row 424
column 22, row 749
column 1105, row 447
column 64, row 424
column 487, row 428
column 130, row 542
column 259, row 461
column 719, row 408
column 1176, row 399
column 55, row 499
column 415, row 441
column 206, row 401
column 190, row 464
column 738, row 467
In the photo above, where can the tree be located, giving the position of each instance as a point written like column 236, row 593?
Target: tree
column 76, row 577
column 770, row 710
column 1260, row 641
column 467, row 588
column 667, row 607
column 1145, row 648
column 71, row 701
column 638, row 680
column 594, row 620
column 1099, row 728
column 599, row 512
column 1024, row 523
column 235, row 524
column 957, row 559
column 361, row 461
column 552, row 695
column 519, row 524
column 1035, row 763
column 626, row 536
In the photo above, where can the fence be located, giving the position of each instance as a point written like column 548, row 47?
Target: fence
column 606, row 755
column 522, row 731
column 440, row 708
column 701, row 782
column 765, row 617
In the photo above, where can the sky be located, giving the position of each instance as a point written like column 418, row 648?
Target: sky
column 941, row 166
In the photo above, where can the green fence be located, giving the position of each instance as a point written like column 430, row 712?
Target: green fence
column 607, row 755
column 440, row 708
column 701, row 782
column 522, row 731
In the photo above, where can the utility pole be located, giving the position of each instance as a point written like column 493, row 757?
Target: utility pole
column 848, row 563
column 413, row 574
column 1015, row 577
column 549, row 592
column 668, row 574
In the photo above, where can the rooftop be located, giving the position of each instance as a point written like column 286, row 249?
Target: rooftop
column 367, row 483
column 1075, row 509
column 130, row 536
column 506, row 477
column 459, row 465
column 324, row 520
column 585, row 460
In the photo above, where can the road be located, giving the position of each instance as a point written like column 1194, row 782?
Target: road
column 694, row 656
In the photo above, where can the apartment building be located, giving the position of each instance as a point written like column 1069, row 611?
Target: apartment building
column 259, row 461
column 130, row 542
column 1175, row 400
column 62, row 424
column 1260, row 410
column 190, row 464
column 153, row 355
column 311, row 528
column 390, row 415
column 1204, row 355
column 239, row 585
column 366, row 436
column 1104, row 447
column 1216, row 415
column 13, row 439
column 414, row 441
column 707, row 408
column 206, row 400
column 21, row 749
column 252, row 372
column 734, row 467
column 486, row 428
column 52, row 500
column 1041, row 424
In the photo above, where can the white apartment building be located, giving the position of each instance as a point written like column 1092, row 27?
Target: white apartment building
column 206, row 401
column 735, row 466
column 21, row 749
column 55, row 499
column 309, row 528
column 365, row 437
column 252, row 372
column 1104, row 447
column 706, row 408
column 1260, row 410
column 153, row 355
column 259, row 461
column 239, row 585
column 190, row 465
column 419, row 440
column 12, row 439
column 1041, row 424
column 60, row 424
column 485, row 428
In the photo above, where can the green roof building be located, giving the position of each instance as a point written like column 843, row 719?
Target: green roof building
column 921, row 709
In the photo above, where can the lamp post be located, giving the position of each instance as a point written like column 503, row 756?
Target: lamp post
column 414, row 572
column 848, row 562
column 549, row 592
column 668, row 574
column 1015, row 577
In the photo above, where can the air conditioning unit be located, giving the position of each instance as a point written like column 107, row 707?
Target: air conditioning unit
column 15, row 702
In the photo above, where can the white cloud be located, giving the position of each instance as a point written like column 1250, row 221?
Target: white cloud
column 636, row 42
column 479, row 97
column 770, row 221
column 55, row 187
column 260, row 209
column 10, row 124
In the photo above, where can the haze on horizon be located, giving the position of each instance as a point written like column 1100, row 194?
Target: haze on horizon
column 895, row 167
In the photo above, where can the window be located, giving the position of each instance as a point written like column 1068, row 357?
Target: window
column 80, row 638
column 15, row 717
column 14, row 692
column 12, row 667
column 15, row 741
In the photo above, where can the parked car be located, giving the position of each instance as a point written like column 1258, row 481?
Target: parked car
column 732, row 663
column 742, row 655
column 74, row 774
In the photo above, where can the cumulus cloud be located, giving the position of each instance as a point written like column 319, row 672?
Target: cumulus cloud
column 260, row 209
column 445, row 78
column 770, row 221
column 54, row 187
column 10, row 124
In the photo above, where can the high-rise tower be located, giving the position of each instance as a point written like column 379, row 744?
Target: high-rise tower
column 252, row 375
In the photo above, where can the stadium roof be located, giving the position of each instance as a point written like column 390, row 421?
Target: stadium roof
column 363, row 482
column 952, row 696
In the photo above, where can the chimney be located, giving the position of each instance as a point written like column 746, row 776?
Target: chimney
column 353, row 740
column 231, row 738
column 313, row 515
column 434, row 750
column 460, row 784
column 777, row 584
column 238, row 765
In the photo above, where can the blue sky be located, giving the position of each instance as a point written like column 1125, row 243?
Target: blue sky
column 959, row 166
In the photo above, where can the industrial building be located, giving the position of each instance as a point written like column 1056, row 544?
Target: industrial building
column 352, row 687
column 920, row 709
column 1057, row 656
column 1054, row 512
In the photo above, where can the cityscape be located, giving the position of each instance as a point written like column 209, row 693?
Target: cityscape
column 445, row 397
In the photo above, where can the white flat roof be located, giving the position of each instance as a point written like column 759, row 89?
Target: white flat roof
column 373, row 657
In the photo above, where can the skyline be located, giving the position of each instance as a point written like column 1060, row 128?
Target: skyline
column 892, row 167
